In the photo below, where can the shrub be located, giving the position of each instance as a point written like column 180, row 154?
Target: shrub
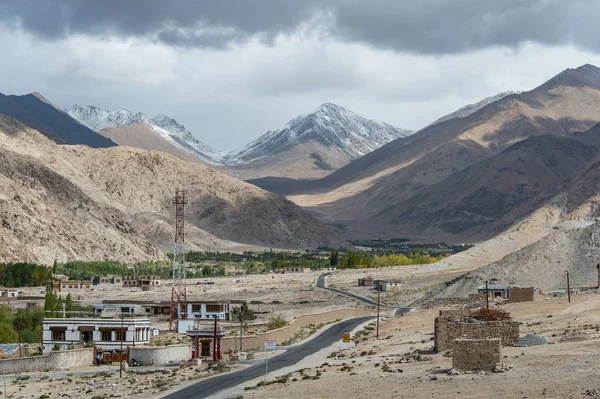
column 275, row 323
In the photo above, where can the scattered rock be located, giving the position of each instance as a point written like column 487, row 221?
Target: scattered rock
column 531, row 340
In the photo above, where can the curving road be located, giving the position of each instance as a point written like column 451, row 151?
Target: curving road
column 211, row 386
column 321, row 283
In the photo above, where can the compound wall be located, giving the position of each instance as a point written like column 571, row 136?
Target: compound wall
column 58, row 360
column 146, row 355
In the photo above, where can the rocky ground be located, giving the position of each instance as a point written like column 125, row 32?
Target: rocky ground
column 104, row 381
column 400, row 364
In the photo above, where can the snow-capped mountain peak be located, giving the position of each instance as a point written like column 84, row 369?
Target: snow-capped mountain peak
column 97, row 119
column 329, row 124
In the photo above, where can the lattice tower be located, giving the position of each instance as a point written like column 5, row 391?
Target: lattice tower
column 178, row 290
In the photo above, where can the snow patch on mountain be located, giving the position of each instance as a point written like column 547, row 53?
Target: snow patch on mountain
column 97, row 119
column 331, row 125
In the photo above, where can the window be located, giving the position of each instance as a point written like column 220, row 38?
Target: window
column 195, row 308
column 120, row 335
column 58, row 335
column 213, row 308
column 106, row 335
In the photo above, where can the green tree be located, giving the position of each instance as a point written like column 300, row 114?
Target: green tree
column 8, row 335
column 69, row 305
column 334, row 259
column 53, row 306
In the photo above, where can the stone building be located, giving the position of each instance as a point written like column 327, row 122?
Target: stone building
column 451, row 327
column 141, row 281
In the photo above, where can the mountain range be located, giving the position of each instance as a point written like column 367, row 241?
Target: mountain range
column 310, row 145
column 515, row 160
column 466, row 178
column 70, row 202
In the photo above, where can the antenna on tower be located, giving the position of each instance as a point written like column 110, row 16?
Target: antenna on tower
column 178, row 291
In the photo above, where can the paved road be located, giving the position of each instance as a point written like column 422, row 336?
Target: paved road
column 216, row 384
column 321, row 284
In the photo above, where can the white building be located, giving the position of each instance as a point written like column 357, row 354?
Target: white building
column 105, row 333
column 208, row 310
column 8, row 292
column 116, row 308
column 203, row 310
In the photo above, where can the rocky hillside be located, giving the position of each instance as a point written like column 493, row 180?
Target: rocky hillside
column 541, row 265
column 74, row 202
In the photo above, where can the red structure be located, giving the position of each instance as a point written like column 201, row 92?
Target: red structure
column 204, row 337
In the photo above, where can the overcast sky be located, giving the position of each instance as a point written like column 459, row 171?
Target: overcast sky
column 230, row 70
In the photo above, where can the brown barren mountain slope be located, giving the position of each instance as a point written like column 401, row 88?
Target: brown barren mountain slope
column 74, row 202
column 394, row 176
column 485, row 199
column 142, row 136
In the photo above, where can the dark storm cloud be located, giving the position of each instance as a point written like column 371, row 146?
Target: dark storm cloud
column 417, row 26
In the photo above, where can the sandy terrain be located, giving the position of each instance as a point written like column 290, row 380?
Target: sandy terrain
column 564, row 368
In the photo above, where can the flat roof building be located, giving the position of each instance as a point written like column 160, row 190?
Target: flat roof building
column 104, row 333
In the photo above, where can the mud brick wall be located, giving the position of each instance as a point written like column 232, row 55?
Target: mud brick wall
column 475, row 354
column 447, row 329
column 518, row 294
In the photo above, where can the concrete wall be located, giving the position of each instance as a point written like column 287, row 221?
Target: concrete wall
column 146, row 355
column 447, row 329
column 519, row 294
column 60, row 360
column 475, row 354
column 285, row 333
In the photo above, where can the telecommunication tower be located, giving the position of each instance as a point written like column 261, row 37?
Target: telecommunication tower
column 178, row 291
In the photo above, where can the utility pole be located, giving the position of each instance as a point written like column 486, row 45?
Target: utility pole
column 598, row 268
column 378, row 301
column 20, row 346
column 215, row 341
column 568, row 286
column 121, row 354
column 487, row 295
column 241, row 325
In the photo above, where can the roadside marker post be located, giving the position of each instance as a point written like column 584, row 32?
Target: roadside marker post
column 268, row 345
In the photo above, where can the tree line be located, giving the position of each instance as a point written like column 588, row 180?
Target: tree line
column 24, row 274
column 359, row 260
